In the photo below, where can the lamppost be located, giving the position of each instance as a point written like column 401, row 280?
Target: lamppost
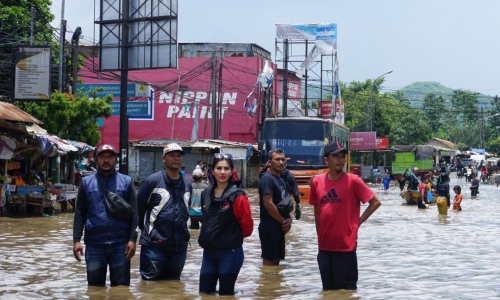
column 371, row 108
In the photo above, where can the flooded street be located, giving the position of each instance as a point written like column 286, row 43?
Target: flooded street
column 403, row 253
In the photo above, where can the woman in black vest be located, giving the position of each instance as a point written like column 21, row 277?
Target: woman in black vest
column 227, row 219
column 443, row 187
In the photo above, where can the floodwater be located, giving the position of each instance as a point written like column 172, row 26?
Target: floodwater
column 403, row 253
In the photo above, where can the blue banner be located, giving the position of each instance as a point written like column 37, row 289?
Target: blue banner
column 103, row 89
column 135, row 108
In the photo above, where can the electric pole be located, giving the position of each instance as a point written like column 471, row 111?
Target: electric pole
column 75, row 40
column 213, row 90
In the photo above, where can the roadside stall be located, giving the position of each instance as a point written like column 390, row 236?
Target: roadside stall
column 25, row 148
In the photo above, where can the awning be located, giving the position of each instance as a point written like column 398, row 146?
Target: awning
column 52, row 145
column 10, row 112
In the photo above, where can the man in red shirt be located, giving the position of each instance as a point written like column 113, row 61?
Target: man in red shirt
column 423, row 188
column 337, row 198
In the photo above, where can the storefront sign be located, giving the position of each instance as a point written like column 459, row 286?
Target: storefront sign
column 13, row 166
column 382, row 143
column 363, row 140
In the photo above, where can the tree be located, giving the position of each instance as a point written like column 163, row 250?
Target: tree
column 15, row 23
column 464, row 105
column 436, row 111
column 494, row 146
column 494, row 122
column 70, row 118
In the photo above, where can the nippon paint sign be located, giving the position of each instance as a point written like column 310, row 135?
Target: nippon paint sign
column 363, row 140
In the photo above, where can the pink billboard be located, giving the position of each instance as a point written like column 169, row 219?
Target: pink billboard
column 363, row 140
column 174, row 111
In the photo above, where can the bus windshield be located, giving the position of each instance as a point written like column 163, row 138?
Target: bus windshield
column 302, row 141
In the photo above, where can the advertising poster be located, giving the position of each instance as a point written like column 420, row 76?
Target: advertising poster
column 382, row 143
column 363, row 140
column 326, row 109
column 32, row 73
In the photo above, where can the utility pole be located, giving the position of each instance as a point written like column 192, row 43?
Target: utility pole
column 32, row 25
column 305, row 86
column 482, row 128
column 285, row 80
column 62, row 33
column 75, row 40
column 213, row 90
column 219, row 106
column 124, row 90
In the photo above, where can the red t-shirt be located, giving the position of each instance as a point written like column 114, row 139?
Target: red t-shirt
column 423, row 187
column 339, row 206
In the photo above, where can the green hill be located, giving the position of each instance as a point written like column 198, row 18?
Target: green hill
column 416, row 93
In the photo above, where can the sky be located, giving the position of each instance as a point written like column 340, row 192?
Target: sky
column 453, row 42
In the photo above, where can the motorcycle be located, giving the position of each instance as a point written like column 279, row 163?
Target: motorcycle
column 460, row 172
column 90, row 169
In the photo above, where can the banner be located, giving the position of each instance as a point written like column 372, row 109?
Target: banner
column 324, row 36
column 363, row 140
column 7, row 147
column 382, row 143
column 326, row 109
column 337, row 96
column 32, row 73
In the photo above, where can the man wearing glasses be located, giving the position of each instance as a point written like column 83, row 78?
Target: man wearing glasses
column 337, row 197
column 163, row 204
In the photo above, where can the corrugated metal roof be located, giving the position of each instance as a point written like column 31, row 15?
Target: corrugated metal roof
column 208, row 143
column 12, row 113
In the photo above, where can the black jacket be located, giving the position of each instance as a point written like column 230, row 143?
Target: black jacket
column 220, row 229
column 163, row 212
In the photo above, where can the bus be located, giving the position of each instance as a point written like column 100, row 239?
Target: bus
column 303, row 139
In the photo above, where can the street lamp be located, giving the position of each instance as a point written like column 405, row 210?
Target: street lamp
column 371, row 108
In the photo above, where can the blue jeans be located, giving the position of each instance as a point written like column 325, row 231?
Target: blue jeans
column 97, row 259
column 157, row 263
column 221, row 265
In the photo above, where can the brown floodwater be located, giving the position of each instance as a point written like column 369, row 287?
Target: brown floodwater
column 403, row 253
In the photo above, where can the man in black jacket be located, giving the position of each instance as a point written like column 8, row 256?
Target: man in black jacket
column 163, row 203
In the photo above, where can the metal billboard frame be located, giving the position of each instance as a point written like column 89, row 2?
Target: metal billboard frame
column 295, row 49
column 152, row 39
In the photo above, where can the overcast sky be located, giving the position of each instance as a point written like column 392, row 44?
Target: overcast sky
column 453, row 42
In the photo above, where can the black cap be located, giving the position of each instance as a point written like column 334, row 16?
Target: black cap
column 106, row 148
column 334, row 148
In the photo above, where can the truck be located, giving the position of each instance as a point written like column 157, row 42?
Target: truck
column 411, row 156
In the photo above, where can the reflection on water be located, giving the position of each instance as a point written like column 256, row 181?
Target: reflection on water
column 403, row 253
